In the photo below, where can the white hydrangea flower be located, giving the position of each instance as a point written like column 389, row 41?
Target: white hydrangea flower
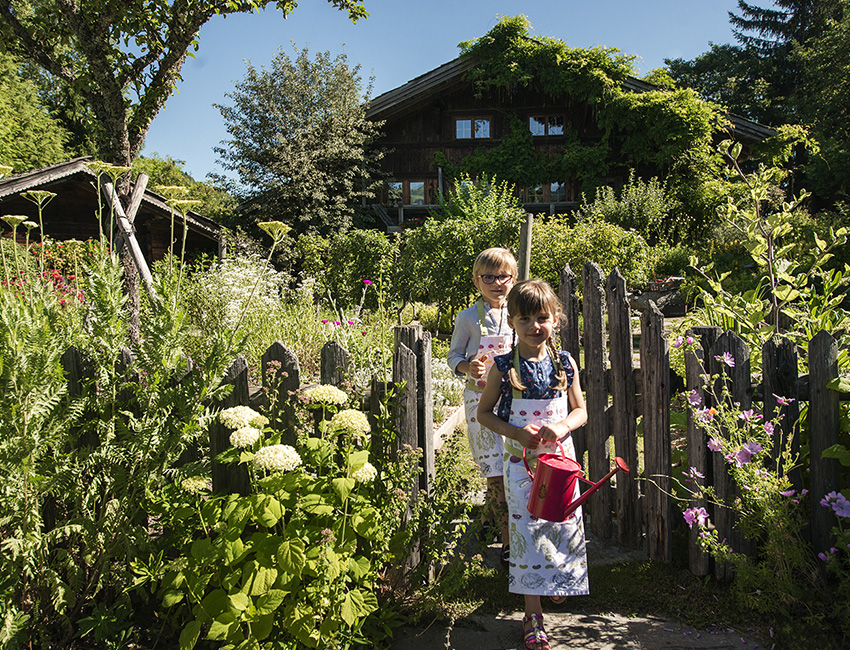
column 350, row 420
column 237, row 417
column 277, row 458
column 365, row 474
column 325, row 394
column 244, row 437
column 194, row 484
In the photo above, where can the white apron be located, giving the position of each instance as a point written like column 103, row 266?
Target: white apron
column 487, row 447
column 547, row 558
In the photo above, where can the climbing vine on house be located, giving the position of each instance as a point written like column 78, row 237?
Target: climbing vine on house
column 668, row 132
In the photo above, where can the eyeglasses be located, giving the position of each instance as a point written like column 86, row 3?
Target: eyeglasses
column 489, row 278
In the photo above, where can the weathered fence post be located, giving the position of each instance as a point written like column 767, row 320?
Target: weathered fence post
column 524, row 253
column 655, row 364
column 624, row 410
column 823, row 432
column 404, row 373
column 334, row 363
column 285, row 380
column 571, row 336
column 699, row 561
column 418, row 341
column 597, row 427
column 738, row 383
column 779, row 369
column 233, row 477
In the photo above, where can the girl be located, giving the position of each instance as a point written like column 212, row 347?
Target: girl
column 541, row 404
column 480, row 333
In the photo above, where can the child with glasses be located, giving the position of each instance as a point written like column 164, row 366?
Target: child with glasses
column 480, row 333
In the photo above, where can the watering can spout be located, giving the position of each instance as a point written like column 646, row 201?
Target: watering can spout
column 619, row 464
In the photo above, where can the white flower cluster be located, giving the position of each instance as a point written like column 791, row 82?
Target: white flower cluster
column 365, row 474
column 350, row 420
column 277, row 458
column 325, row 394
column 237, row 417
column 446, row 387
column 244, row 437
column 194, row 484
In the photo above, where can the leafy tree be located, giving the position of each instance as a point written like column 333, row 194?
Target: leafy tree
column 123, row 58
column 29, row 137
column 299, row 141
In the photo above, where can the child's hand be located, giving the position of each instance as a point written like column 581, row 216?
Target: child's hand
column 547, row 434
column 477, row 367
column 527, row 436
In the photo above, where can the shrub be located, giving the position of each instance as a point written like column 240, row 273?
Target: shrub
column 646, row 207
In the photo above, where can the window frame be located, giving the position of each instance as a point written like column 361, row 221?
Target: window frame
column 546, row 121
column 472, row 127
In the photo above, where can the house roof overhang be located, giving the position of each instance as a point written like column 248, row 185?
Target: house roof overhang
column 422, row 90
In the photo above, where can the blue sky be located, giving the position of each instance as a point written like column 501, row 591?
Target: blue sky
column 403, row 39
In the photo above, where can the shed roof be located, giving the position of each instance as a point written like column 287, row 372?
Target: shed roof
column 452, row 74
column 53, row 174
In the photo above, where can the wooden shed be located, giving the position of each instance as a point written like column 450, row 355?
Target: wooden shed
column 72, row 213
column 439, row 112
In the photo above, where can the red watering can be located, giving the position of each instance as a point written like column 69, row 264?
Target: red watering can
column 555, row 482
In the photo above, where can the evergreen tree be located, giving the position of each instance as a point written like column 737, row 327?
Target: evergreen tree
column 299, row 142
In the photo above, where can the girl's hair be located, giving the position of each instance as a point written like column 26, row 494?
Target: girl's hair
column 529, row 298
column 495, row 258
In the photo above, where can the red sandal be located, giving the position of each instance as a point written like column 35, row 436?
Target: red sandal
column 534, row 638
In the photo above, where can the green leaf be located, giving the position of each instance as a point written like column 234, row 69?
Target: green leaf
column 171, row 598
column 270, row 601
column 291, row 556
column 343, row 487
column 261, row 580
column 202, row 550
column 233, row 547
column 266, row 509
column 838, row 451
column 359, row 566
column 365, row 523
column 316, row 504
column 239, row 601
column 262, row 626
column 222, row 626
column 215, row 603
column 356, row 605
column 189, row 635
column 840, row 384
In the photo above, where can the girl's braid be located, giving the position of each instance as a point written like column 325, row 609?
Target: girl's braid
column 560, row 373
column 513, row 375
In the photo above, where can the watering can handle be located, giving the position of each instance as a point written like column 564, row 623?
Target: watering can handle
column 525, row 460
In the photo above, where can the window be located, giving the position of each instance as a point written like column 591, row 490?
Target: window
column 535, row 194
column 405, row 193
column 557, row 192
column 477, row 128
column 543, row 125
column 417, row 193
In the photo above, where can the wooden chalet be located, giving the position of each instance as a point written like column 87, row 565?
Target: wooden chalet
column 72, row 213
column 439, row 112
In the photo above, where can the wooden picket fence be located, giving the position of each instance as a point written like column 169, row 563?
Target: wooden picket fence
column 618, row 392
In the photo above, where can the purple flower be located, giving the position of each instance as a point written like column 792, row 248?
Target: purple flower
column 838, row 502
column 696, row 516
column 783, row 401
column 726, row 358
column 714, row 444
column 689, row 340
column 745, row 454
column 823, row 557
column 367, row 282
column 749, row 415
column 705, row 414
column 351, row 322
column 694, row 474
column 694, row 398
column 753, row 448
column 678, row 342
column 768, row 428
column 788, row 493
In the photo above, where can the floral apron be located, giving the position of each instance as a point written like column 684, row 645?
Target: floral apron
column 487, row 447
column 547, row 558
